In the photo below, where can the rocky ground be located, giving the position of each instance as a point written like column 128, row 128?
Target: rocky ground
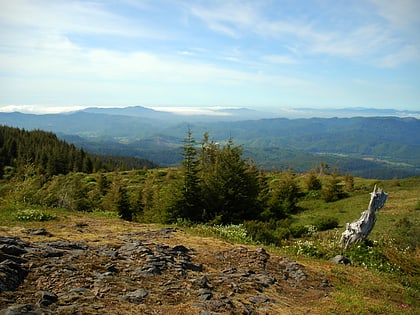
column 85, row 268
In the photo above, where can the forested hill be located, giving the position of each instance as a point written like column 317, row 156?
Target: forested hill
column 51, row 156
column 371, row 147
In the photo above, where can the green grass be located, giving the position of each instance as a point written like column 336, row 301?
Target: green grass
column 403, row 200
column 384, row 277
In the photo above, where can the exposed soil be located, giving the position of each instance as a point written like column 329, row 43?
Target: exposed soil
column 92, row 267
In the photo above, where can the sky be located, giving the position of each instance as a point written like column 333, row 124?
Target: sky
column 58, row 55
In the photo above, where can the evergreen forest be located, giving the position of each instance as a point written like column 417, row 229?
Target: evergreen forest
column 50, row 156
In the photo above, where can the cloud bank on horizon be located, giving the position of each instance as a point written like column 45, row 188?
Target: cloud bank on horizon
column 259, row 54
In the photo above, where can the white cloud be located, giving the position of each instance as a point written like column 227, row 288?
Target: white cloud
column 85, row 52
column 279, row 59
column 366, row 39
column 70, row 17
column 226, row 17
column 39, row 109
column 402, row 14
column 362, row 41
column 404, row 54
column 210, row 111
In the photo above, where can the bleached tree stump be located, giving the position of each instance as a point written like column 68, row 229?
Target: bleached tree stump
column 360, row 229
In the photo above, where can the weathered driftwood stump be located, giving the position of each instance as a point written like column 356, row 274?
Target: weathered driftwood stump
column 360, row 229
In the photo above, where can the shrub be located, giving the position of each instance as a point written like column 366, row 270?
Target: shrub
column 267, row 233
column 299, row 230
column 326, row 223
column 308, row 248
column 313, row 194
column 232, row 233
column 370, row 255
column 34, row 215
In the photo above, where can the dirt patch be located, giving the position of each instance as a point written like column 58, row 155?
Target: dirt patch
column 93, row 268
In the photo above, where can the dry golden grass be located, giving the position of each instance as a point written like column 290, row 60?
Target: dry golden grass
column 353, row 290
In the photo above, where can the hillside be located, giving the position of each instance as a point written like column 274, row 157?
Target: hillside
column 90, row 263
column 48, row 155
column 374, row 147
column 96, row 265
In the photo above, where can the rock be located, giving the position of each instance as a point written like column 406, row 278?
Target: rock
column 11, row 275
column 47, row 298
column 204, row 294
column 180, row 248
column 24, row 309
column 12, row 249
column 16, row 259
column 73, row 295
column 130, row 247
column 265, row 256
column 259, row 299
column 40, row 232
column 202, row 282
column 145, row 273
column 294, row 270
column 13, row 241
column 111, row 268
column 67, row 245
column 264, row 279
column 191, row 266
column 221, row 304
column 136, row 297
column 51, row 252
column 340, row 259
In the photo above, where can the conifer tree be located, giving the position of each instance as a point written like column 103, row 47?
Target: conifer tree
column 229, row 184
column 189, row 205
column 283, row 197
column 348, row 182
column 332, row 190
column 312, row 182
column 123, row 205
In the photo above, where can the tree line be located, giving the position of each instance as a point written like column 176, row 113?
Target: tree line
column 213, row 185
column 52, row 156
column 220, row 186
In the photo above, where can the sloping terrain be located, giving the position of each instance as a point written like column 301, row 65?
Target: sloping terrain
column 88, row 267
column 83, row 264
column 374, row 147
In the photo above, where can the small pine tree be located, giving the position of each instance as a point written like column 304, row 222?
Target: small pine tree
column 138, row 208
column 123, row 205
column 348, row 182
column 283, row 197
column 190, row 204
column 333, row 189
column 312, row 182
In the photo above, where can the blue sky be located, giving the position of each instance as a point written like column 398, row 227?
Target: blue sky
column 59, row 55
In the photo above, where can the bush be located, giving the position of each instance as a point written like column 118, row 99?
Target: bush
column 312, row 194
column 34, row 215
column 299, row 230
column 232, row 233
column 267, row 233
column 326, row 223
column 308, row 248
column 370, row 255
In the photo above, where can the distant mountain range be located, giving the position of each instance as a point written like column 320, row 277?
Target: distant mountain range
column 365, row 144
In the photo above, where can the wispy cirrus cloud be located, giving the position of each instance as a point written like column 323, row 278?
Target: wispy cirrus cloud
column 279, row 59
column 370, row 39
column 402, row 14
column 225, row 52
column 67, row 17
